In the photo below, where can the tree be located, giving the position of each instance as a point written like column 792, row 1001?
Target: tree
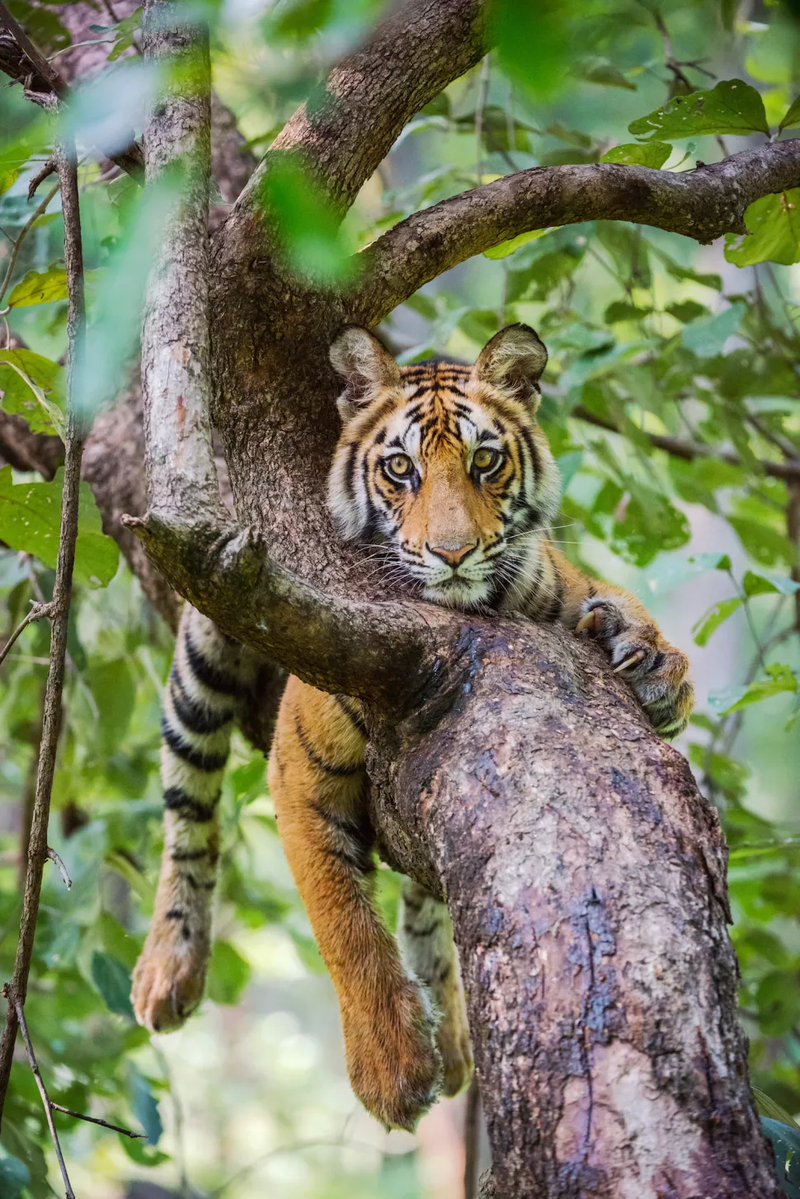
column 591, row 918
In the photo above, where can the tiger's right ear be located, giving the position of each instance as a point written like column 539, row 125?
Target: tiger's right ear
column 366, row 366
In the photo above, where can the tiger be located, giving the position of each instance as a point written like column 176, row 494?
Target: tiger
column 446, row 468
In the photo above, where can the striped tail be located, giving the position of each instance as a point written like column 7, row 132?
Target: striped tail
column 210, row 677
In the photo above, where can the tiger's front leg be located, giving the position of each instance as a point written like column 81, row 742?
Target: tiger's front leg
column 316, row 778
column 655, row 670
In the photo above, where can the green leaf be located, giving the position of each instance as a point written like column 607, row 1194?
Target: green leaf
column 733, row 699
column 766, row 545
column 768, row 1107
column 623, row 310
column 647, row 154
column 7, row 179
column 707, row 335
column 306, row 223
column 785, row 1142
column 730, row 107
column 113, row 982
column 532, row 42
column 114, row 690
column 14, row 1175
column 568, row 466
column 33, row 387
column 774, row 232
column 716, row 615
column 763, row 584
column 30, row 516
column 686, row 310
column 145, row 1107
column 778, row 999
column 508, row 247
column 602, row 71
column 228, row 973
column 39, row 288
column 792, row 117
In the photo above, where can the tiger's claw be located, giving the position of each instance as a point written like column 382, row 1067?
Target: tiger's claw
column 633, row 660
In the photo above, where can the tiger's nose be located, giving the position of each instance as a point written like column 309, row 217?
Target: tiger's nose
column 452, row 553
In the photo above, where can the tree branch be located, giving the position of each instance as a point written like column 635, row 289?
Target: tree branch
column 220, row 568
column 42, row 83
column 688, row 451
column 702, row 204
column 59, row 609
column 347, row 126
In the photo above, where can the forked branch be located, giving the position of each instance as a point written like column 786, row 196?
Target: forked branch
column 223, row 570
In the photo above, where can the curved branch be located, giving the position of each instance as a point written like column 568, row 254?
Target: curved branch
column 702, row 204
column 346, row 128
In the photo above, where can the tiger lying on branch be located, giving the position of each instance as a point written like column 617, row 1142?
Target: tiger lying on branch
column 444, row 467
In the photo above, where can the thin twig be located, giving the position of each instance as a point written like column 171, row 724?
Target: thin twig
column 15, row 1003
column 53, row 857
column 688, row 451
column 62, row 594
column 44, row 172
column 472, row 1130
column 126, row 1132
column 37, row 612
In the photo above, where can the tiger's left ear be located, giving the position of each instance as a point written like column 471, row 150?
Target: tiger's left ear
column 513, row 362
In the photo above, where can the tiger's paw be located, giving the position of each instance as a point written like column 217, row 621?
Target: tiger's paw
column 655, row 670
column 168, row 981
column 394, row 1064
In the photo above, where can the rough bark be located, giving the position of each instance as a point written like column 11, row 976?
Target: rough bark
column 585, row 876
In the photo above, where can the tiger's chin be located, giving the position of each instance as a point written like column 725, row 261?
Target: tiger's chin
column 463, row 594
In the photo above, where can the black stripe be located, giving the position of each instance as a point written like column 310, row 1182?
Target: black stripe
column 193, row 716
column 422, row 932
column 345, row 824
column 354, row 717
column 189, row 855
column 320, row 763
column 361, row 864
column 175, row 914
column 177, row 800
column 209, row 675
column 209, row 763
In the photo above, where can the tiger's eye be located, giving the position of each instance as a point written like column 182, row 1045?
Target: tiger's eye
column 400, row 465
column 485, row 459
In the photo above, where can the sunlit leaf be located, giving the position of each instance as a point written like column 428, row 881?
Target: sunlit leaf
column 640, row 154
column 774, row 232
column 762, row 584
column 30, row 515
column 508, row 247
column 39, row 287
column 732, row 699
column 532, row 42
column 730, row 107
column 306, row 225
column 716, row 615
column 792, row 117
column 33, row 387
column 706, row 336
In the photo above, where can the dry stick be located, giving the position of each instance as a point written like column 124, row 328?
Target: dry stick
column 37, row 612
column 53, row 857
column 62, row 593
column 13, row 1001
column 126, row 1132
column 472, row 1130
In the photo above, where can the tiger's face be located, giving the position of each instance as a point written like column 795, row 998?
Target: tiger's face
column 445, row 464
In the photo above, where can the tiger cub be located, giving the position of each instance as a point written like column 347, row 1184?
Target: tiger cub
column 446, row 465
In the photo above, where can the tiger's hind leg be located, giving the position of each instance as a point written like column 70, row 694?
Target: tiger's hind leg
column 428, row 948
column 316, row 779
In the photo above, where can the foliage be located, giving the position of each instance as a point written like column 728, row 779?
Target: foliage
column 653, row 342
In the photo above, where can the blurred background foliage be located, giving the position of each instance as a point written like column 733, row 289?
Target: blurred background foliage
column 671, row 403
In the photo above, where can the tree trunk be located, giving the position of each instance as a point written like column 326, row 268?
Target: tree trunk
column 585, row 876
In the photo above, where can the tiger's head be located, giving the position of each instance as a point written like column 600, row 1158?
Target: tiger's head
column 446, row 464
